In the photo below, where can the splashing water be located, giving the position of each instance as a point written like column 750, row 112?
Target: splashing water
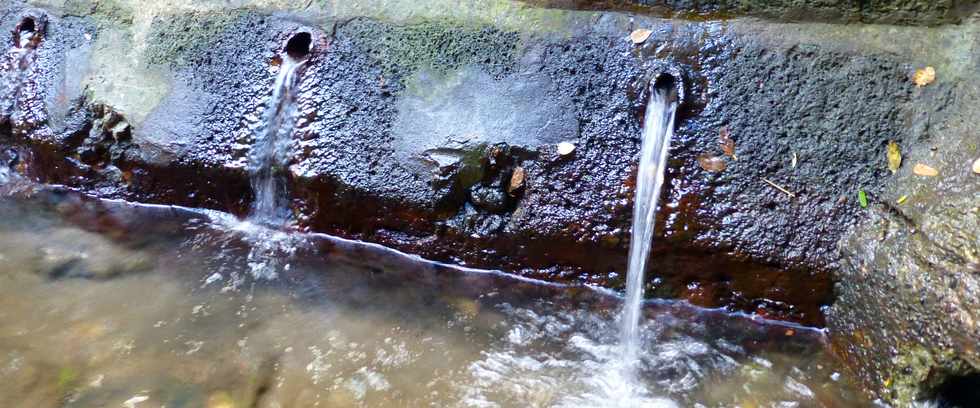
column 269, row 155
column 658, row 129
column 271, row 247
column 349, row 324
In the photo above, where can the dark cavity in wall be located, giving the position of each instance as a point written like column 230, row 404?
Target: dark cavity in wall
column 960, row 391
column 24, row 32
column 667, row 82
column 299, row 46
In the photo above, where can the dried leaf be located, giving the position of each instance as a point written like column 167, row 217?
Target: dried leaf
column 924, row 76
column 640, row 35
column 727, row 144
column 517, row 180
column 901, row 200
column 711, row 163
column 976, row 166
column 894, row 157
column 923, row 170
column 565, row 148
column 863, row 198
column 793, row 162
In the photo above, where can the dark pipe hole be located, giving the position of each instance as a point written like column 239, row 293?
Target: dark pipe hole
column 27, row 25
column 24, row 32
column 960, row 391
column 299, row 46
column 668, row 84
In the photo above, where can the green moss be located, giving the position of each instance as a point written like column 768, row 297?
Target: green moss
column 438, row 46
column 513, row 15
column 173, row 38
column 66, row 378
column 103, row 11
column 472, row 166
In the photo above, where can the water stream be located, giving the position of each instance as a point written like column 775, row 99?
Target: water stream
column 658, row 129
column 269, row 155
column 266, row 228
column 15, row 65
column 105, row 303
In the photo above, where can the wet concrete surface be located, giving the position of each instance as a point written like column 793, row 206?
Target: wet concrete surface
column 364, row 168
column 378, row 156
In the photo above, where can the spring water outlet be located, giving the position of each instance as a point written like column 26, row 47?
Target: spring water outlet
column 28, row 33
column 299, row 46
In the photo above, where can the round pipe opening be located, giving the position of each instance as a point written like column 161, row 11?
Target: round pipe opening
column 27, row 25
column 667, row 84
column 24, row 32
column 299, row 46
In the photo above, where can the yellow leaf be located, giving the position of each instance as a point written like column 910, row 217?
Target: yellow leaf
column 924, row 76
column 976, row 166
column 894, row 157
column 923, row 170
column 902, row 199
column 640, row 35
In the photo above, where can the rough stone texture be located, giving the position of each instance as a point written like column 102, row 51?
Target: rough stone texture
column 907, row 307
column 410, row 131
column 409, row 135
column 848, row 11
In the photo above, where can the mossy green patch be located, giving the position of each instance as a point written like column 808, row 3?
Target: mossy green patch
column 103, row 11
column 437, row 46
column 173, row 38
column 514, row 15
column 67, row 376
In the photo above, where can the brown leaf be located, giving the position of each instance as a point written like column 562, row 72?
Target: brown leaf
column 923, row 170
column 640, row 35
column 727, row 144
column 517, row 180
column 711, row 163
column 924, row 76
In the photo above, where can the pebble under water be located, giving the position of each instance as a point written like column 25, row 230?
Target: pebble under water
column 112, row 304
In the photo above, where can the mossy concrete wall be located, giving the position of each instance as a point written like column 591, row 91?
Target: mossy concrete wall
column 905, row 12
column 416, row 115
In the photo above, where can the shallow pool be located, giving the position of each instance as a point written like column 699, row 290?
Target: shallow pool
column 109, row 304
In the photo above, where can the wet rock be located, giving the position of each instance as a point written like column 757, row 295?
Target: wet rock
column 489, row 198
column 71, row 253
column 908, row 298
column 886, row 11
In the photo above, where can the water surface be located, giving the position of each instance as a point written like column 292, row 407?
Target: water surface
column 116, row 305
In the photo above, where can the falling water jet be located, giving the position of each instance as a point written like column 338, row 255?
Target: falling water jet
column 268, row 166
column 268, row 158
column 658, row 129
column 26, row 38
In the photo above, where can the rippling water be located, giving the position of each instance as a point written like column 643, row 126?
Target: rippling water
column 110, row 304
